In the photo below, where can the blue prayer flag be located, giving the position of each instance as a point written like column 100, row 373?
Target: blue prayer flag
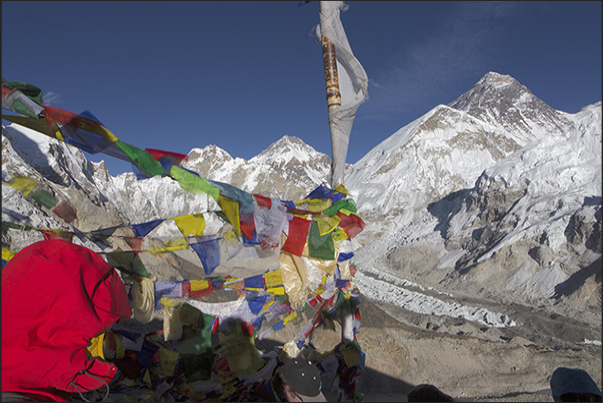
column 209, row 254
column 141, row 230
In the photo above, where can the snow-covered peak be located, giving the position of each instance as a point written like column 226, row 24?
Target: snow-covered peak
column 288, row 150
column 503, row 101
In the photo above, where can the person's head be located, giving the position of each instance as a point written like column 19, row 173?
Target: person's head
column 573, row 385
column 427, row 393
column 298, row 380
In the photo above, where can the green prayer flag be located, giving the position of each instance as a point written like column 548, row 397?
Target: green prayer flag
column 31, row 91
column 347, row 204
column 321, row 247
column 127, row 261
column 45, row 198
column 193, row 183
column 23, row 98
column 143, row 160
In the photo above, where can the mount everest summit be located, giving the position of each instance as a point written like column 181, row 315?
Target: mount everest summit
column 474, row 209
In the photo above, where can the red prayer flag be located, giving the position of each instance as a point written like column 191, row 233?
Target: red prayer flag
column 65, row 211
column 298, row 235
column 176, row 158
column 134, row 242
column 263, row 201
column 351, row 224
column 48, row 235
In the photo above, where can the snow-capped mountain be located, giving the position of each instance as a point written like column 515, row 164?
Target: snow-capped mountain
column 286, row 169
column 496, row 195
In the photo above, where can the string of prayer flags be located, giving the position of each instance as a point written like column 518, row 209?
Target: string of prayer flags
column 141, row 159
column 344, row 256
column 242, row 197
column 101, row 235
column 22, row 98
column 269, row 219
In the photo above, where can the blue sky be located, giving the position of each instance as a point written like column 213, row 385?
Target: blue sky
column 240, row 75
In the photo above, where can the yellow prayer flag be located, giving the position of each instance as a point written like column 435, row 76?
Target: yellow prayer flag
column 7, row 254
column 170, row 246
column 198, row 285
column 314, row 204
column 341, row 189
column 22, row 184
column 230, row 208
column 170, row 302
column 168, row 361
column 273, row 278
column 326, row 223
column 276, row 290
column 290, row 317
column 191, row 224
column 340, row 235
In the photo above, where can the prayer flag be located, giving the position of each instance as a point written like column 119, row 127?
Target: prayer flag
column 209, row 254
column 134, row 242
column 320, row 246
column 65, row 211
column 14, row 215
column 321, row 192
column 273, row 278
column 141, row 230
column 192, row 224
column 351, row 224
column 175, row 158
column 45, row 198
column 127, row 261
column 193, row 183
column 255, row 281
column 298, row 234
column 22, row 184
column 230, row 208
column 22, row 98
column 352, row 83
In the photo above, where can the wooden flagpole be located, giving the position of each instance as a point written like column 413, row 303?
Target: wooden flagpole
column 331, row 77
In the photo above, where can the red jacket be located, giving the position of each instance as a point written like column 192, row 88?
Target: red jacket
column 56, row 296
